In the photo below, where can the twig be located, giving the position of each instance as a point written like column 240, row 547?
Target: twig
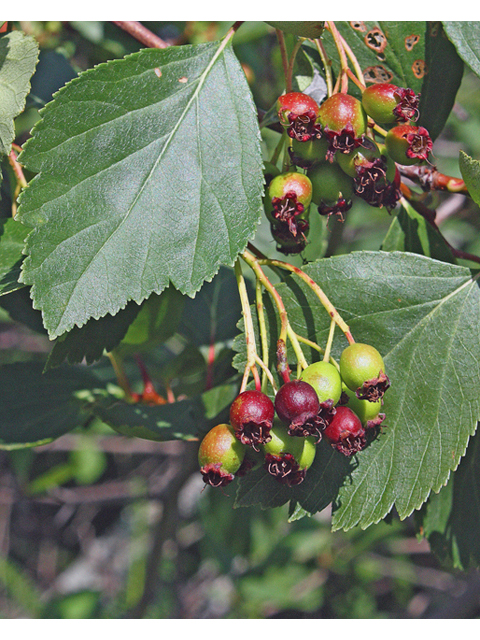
column 141, row 33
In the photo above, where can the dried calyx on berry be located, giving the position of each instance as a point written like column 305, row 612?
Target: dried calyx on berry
column 363, row 371
column 220, row 455
column 344, row 122
column 369, row 412
column 332, row 189
column 288, row 458
column 376, row 178
column 308, row 154
column 287, row 243
column 408, row 144
column 297, row 405
column 345, row 432
column 251, row 416
column 386, row 103
column 289, row 197
column 298, row 113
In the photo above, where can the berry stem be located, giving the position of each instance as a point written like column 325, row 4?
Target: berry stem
column 328, row 347
column 283, row 53
column 327, row 65
column 249, row 331
column 316, row 289
column 122, row 379
column 342, row 78
column 359, row 79
column 291, row 63
column 263, row 330
column 317, row 347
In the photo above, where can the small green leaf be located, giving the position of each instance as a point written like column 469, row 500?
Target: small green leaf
column 466, row 38
column 300, row 28
column 93, row 339
column 470, row 170
column 183, row 420
column 12, row 239
column 410, row 231
column 167, row 184
column 18, row 57
column 37, row 407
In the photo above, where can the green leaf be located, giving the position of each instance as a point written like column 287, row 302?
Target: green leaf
column 156, row 321
column 470, row 170
column 300, row 28
column 450, row 520
column 421, row 314
column 183, row 420
column 12, row 239
column 386, row 51
column 167, row 183
column 36, row 407
column 441, row 83
column 18, row 57
column 410, row 231
column 466, row 38
column 93, row 339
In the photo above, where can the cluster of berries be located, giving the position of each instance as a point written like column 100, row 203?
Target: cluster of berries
column 334, row 144
column 340, row 404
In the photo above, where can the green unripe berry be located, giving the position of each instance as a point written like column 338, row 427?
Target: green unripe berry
column 307, row 154
column 363, row 371
column 302, row 449
column 325, row 379
column 364, row 409
column 329, row 184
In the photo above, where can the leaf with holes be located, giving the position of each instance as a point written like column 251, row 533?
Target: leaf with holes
column 165, row 145
column 421, row 314
column 386, row 51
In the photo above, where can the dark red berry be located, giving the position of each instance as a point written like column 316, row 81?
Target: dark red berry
column 345, row 432
column 297, row 405
column 298, row 114
column 251, row 415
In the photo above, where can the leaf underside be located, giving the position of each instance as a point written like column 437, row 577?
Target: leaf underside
column 167, row 184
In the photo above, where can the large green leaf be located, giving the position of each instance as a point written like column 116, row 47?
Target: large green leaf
column 422, row 316
column 18, row 57
column 167, row 183
column 37, row 407
column 466, row 38
column 450, row 520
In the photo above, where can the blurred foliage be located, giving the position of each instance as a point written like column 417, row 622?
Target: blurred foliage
column 98, row 526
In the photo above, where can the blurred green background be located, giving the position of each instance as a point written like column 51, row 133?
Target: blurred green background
column 94, row 525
